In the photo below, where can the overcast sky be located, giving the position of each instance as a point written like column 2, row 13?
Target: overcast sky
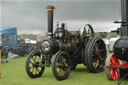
column 30, row 16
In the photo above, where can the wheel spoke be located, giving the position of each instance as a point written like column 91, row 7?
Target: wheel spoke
column 94, row 60
column 115, row 73
column 94, row 50
column 63, row 72
column 102, row 59
column 99, row 57
column 30, row 62
column 112, row 62
column 33, row 59
column 95, row 46
column 30, row 67
column 98, row 51
column 64, row 60
column 57, row 65
column 32, row 70
column 61, row 65
column 59, row 71
column 96, row 63
column 35, row 71
column 92, row 55
column 39, row 59
column 39, row 68
column 101, row 50
column 61, row 59
column 65, row 65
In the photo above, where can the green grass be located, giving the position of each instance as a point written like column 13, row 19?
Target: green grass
column 13, row 73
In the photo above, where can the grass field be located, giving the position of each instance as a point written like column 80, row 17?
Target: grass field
column 13, row 73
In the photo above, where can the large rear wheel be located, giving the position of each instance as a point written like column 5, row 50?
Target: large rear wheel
column 95, row 55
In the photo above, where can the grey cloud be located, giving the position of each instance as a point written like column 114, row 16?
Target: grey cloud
column 58, row 0
column 30, row 16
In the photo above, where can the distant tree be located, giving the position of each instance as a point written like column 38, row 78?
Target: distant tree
column 102, row 34
column 28, row 36
column 113, row 34
column 106, row 35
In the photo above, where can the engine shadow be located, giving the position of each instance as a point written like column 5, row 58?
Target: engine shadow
column 80, row 70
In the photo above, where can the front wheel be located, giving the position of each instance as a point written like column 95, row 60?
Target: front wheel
column 61, row 65
column 35, row 64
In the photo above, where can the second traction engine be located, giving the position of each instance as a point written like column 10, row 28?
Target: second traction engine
column 117, row 64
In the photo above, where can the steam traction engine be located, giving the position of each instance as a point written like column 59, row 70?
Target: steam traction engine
column 64, row 49
column 117, row 64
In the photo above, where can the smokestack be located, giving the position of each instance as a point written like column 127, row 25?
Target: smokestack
column 124, row 10
column 124, row 17
column 50, row 19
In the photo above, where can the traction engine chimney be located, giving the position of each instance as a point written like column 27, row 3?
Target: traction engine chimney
column 124, row 17
column 50, row 19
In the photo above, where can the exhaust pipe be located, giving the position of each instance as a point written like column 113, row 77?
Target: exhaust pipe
column 50, row 10
column 124, row 17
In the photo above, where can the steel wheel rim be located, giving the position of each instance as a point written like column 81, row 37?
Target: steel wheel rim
column 107, row 63
column 114, row 71
column 62, row 65
column 35, row 64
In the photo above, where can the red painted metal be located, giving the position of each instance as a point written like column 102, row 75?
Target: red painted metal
column 124, row 64
column 114, row 71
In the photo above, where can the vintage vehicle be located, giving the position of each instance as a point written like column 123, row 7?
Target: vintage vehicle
column 11, row 44
column 111, row 43
column 117, row 63
column 64, row 49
